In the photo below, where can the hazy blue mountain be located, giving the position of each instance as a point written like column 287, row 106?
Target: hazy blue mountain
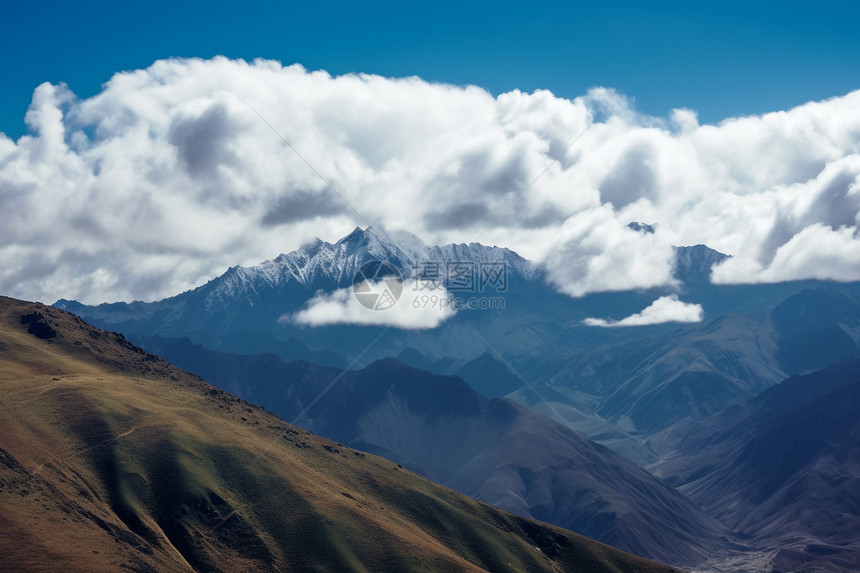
column 659, row 386
column 490, row 448
column 486, row 374
column 784, row 469
column 817, row 328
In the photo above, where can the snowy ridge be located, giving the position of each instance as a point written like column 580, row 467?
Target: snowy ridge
column 322, row 266
column 693, row 264
column 326, row 266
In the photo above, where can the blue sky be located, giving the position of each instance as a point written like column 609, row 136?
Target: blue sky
column 719, row 58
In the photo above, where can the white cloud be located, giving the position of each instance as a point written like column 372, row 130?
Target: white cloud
column 409, row 312
column 168, row 176
column 816, row 252
column 664, row 309
column 597, row 252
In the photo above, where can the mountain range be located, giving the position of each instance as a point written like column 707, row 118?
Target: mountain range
column 656, row 379
column 642, row 391
column 492, row 449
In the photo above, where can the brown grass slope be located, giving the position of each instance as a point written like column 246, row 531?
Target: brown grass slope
column 112, row 459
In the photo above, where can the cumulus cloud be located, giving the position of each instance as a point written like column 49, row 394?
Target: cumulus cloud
column 812, row 232
column 342, row 307
column 664, row 309
column 598, row 252
column 175, row 172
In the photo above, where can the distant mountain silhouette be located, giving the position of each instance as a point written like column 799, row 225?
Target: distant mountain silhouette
column 784, row 469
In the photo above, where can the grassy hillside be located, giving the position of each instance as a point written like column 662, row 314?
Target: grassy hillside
column 113, row 459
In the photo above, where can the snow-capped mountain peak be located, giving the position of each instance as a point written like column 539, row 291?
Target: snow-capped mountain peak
column 693, row 264
column 320, row 265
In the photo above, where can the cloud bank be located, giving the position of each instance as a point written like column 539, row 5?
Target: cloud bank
column 341, row 307
column 173, row 173
column 664, row 309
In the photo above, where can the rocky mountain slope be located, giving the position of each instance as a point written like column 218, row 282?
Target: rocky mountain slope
column 784, row 469
column 112, row 459
column 655, row 388
column 491, row 449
